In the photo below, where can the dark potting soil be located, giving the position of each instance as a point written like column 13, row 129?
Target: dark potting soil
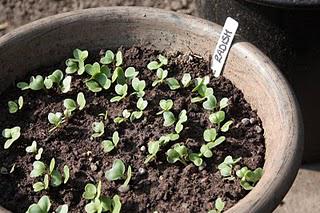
column 164, row 187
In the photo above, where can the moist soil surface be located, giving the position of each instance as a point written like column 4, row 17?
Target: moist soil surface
column 163, row 187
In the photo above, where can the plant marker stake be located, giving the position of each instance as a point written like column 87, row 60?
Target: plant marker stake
column 223, row 46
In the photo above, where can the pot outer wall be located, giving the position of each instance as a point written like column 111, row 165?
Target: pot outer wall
column 288, row 33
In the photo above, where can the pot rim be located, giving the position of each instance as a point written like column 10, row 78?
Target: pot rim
column 282, row 182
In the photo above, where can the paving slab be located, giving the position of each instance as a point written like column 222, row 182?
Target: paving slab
column 304, row 196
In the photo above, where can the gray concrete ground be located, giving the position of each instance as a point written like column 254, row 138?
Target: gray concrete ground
column 304, row 196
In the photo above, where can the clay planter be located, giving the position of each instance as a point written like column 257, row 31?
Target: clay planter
column 50, row 40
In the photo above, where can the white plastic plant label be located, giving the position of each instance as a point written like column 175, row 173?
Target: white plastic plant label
column 223, row 46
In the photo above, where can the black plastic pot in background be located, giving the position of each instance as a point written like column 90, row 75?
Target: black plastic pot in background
column 289, row 33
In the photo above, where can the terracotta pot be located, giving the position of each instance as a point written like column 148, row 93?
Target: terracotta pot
column 52, row 39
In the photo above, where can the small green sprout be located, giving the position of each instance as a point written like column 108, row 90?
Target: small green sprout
column 100, row 203
column 186, row 80
column 225, row 127
column 182, row 119
column 125, row 116
column 161, row 74
column 43, row 206
column 121, row 90
column 196, row 158
column 56, row 119
column 109, row 145
column 154, row 146
column 210, row 103
column 154, row 65
column 218, row 206
column 217, row 117
column 223, row 103
column 202, row 89
column 55, row 78
column 249, row 178
column 16, row 105
column 138, row 87
column 131, row 73
column 119, row 59
column 108, row 57
column 62, row 209
column 209, row 136
column 98, row 129
column 105, row 115
column 71, row 105
column 99, row 77
column 36, row 83
column 119, row 75
column 169, row 119
column 153, row 149
column 51, row 175
column 117, row 171
column 177, row 153
column 141, row 105
column 173, row 83
column 33, row 149
column 125, row 186
column 76, row 64
column 11, row 135
column 165, row 105
column 66, row 84
column 226, row 166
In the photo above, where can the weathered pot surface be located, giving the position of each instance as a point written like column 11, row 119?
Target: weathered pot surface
column 52, row 39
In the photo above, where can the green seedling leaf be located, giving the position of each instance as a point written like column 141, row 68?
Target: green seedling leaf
column 165, row 105
column 56, row 178
column 11, row 135
column 109, row 145
column 62, row 209
column 102, row 80
column 66, row 84
column 131, row 73
column 210, row 103
column 226, row 166
column 76, row 64
column 205, row 151
column 108, row 57
column 225, row 127
column 217, row 142
column 39, row 169
column 52, row 165
column 169, row 119
column 70, row 104
column 81, row 101
column 142, row 104
column 36, row 83
column 125, row 186
column 161, row 74
column 119, row 75
column 90, row 191
column 249, row 178
column 55, row 118
column 23, row 85
column 186, row 80
column 177, row 153
column 98, row 129
column 38, row 155
column 93, row 86
column 116, row 204
column 217, row 117
column 209, row 135
column 173, row 83
column 121, row 90
column 196, row 159
column 14, row 106
column 66, row 174
column 119, row 58
column 153, row 148
column 43, row 206
column 32, row 148
column 37, row 187
column 139, row 87
column 182, row 119
column 117, row 171
column 223, row 103
column 154, row 65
